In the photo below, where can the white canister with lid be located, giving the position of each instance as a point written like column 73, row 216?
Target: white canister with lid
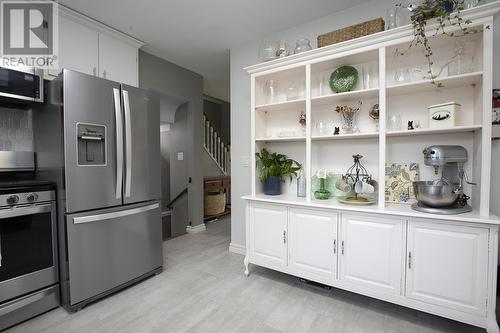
column 443, row 115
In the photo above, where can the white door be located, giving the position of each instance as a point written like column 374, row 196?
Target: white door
column 312, row 247
column 268, row 235
column 78, row 47
column 447, row 265
column 372, row 253
column 118, row 60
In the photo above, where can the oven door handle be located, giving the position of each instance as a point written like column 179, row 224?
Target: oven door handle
column 24, row 210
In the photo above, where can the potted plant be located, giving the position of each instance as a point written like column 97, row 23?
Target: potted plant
column 445, row 13
column 273, row 168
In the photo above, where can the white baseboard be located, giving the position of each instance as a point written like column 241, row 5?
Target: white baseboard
column 196, row 229
column 238, row 249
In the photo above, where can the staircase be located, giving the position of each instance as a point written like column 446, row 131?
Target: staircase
column 216, row 148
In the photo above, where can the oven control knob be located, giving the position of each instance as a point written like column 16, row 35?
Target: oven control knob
column 12, row 200
column 31, row 197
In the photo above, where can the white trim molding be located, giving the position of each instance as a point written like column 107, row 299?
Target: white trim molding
column 196, row 229
column 238, row 249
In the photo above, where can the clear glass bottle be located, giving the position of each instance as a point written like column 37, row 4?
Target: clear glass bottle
column 301, row 184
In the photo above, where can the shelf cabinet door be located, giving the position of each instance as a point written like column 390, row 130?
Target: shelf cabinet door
column 78, row 47
column 372, row 254
column 268, row 235
column 447, row 265
column 313, row 244
column 117, row 60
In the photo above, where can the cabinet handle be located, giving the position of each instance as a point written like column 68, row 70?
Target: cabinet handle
column 334, row 246
column 342, row 245
column 104, row 74
column 94, row 71
column 284, row 236
column 409, row 260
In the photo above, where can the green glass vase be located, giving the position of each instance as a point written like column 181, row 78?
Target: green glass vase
column 322, row 193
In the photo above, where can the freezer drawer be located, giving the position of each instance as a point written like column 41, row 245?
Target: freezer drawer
column 108, row 248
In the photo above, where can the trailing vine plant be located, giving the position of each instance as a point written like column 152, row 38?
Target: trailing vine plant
column 446, row 13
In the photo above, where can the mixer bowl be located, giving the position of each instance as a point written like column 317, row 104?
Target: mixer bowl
column 435, row 194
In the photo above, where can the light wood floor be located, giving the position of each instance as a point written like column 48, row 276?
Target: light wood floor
column 203, row 289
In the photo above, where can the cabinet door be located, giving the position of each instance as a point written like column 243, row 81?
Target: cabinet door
column 447, row 265
column 268, row 232
column 117, row 60
column 312, row 246
column 372, row 253
column 78, row 47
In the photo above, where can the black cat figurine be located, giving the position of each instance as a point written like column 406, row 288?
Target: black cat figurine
column 337, row 131
column 410, row 125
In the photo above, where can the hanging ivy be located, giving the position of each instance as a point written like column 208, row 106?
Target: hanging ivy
column 447, row 14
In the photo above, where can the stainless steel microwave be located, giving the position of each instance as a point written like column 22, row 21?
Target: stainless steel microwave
column 22, row 83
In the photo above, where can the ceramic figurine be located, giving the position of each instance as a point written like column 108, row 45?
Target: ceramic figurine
column 410, row 125
column 337, row 131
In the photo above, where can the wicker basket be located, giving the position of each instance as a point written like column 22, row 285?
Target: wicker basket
column 215, row 203
column 354, row 31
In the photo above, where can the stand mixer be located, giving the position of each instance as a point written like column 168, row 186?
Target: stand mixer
column 443, row 196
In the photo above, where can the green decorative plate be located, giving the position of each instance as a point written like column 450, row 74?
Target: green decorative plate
column 343, row 79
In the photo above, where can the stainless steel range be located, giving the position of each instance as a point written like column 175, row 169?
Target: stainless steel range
column 29, row 283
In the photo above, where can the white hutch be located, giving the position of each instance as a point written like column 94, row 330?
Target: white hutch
column 445, row 265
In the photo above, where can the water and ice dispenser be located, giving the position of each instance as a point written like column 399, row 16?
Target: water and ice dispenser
column 91, row 144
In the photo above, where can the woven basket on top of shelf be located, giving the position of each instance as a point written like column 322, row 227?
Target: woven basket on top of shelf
column 354, row 31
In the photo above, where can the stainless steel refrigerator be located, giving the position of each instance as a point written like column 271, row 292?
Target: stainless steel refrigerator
column 99, row 140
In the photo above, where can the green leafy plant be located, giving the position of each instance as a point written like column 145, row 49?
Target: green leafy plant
column 277, row 165
column 446, row 13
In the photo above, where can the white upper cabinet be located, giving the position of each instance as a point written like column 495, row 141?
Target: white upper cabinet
column 313, row 244
column 78, row 47
column 372, row 253
column 268, row 235
column 93, row 48
column 118, row 60
column 447, row 265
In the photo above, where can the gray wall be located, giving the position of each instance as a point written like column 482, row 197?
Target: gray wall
column 247, row 54
column 169, row 79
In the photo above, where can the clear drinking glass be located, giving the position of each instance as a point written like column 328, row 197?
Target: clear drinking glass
column 271, row 91
column 292, row 92
column 323, row 87
column 463, row 61
column 395, row 123
column 370, row 76
column 321, row 128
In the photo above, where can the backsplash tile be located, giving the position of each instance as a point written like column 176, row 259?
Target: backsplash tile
column 16, row 129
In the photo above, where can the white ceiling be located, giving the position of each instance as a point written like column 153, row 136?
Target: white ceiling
column 197, row 34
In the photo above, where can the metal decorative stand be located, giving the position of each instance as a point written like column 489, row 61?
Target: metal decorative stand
column 356, row 173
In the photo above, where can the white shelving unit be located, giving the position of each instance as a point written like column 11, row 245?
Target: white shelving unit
column 276, row 121
column 402, row 256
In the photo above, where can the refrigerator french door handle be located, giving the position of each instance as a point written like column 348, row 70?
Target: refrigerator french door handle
column 128, row 143
column 114, row 215
column 119, row 143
